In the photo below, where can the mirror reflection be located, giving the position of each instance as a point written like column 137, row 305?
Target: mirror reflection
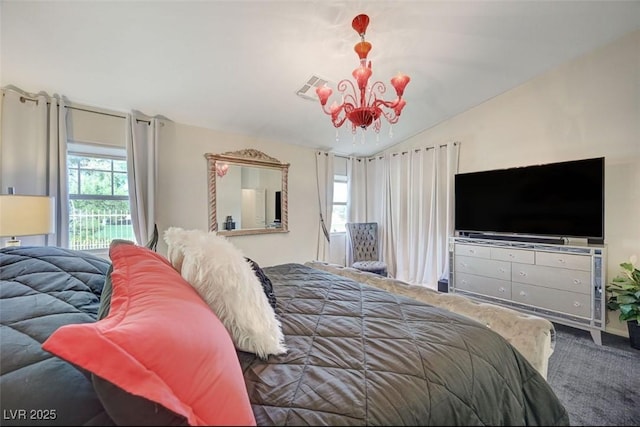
column 249, row 197
column 247, row 193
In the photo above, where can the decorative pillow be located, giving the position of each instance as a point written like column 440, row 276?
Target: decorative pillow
column 105, row 297
column 267, row 286
column 225, row 280
column 177, row 239
column 127, row 409
column 161, row 342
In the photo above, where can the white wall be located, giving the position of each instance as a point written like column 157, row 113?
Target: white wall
column 182, row 191
column 589, row 107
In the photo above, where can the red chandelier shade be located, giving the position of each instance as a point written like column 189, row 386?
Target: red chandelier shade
column 360, row 24
column 362, row 49
column 363, row 105
column 362, row 74
column 399, row 82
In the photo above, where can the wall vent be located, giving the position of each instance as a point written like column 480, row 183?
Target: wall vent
column 308, row 89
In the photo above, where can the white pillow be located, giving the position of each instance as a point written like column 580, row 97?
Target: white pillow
column 219, row 272
column 176, row 239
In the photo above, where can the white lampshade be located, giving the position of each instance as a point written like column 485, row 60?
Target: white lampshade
column 26, row 215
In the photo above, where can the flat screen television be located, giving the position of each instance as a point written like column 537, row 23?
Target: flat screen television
column 278, row 217
column 558, row 200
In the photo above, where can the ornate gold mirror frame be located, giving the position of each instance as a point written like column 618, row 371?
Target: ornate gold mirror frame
column 247, row 157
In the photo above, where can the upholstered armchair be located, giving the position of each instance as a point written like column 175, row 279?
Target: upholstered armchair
column 363, row 237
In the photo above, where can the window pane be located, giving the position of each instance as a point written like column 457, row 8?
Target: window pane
column 339, row 192
column 95, row 182
column 83, row 162
column 338, row 218
column 97, row 163
column 120, row 187
column 120, row 165
column 73, row 161
column 93, row 224
column 73, row 181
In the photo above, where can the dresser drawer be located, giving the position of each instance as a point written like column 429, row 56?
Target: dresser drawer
column 564, row 260
column 483, row 267
column 552, row 299
column 473, row 250
column 483, row 285
column 552, row 277
column 513, row 255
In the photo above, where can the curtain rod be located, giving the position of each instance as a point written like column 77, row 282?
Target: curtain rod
column 120, row 116
column 415, row 150
column 381, row 156
column 341, row 156
column 73, row 106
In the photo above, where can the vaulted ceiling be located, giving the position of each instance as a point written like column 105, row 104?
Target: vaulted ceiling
column 236, row 66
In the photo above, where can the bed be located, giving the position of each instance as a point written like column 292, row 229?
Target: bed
column 357, row 354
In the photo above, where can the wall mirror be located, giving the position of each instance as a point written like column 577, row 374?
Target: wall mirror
column 247, row 193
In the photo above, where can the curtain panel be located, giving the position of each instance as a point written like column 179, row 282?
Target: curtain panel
column 421, row 212
column 324, row 181
column 141, row 143
column 356, row 198
column 410, row 195
column 33, row 154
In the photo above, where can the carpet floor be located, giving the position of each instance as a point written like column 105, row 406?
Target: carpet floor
column 599, row 385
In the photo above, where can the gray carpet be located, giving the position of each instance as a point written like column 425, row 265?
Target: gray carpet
column 599, row 385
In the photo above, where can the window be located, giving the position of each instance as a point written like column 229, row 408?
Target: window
column 339, row 212
column 98, row 200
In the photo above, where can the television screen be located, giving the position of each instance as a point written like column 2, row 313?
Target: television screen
column 278, row 217
column 559, row 199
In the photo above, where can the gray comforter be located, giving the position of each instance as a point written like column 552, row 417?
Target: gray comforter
column 359, row 355
column 42, row 289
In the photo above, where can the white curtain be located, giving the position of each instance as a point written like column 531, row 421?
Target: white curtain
column 379, row 207
column 420, row 217
column 324, row 180
column 33, row 157
column 357, row 189
column 448, row 159
column 357, row 197
column 141, row 143
column 58, row 184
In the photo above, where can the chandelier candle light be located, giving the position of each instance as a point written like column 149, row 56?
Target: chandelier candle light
column 363, row 106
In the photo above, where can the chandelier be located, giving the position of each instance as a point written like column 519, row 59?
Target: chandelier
column 222, row 169
column 363, row 105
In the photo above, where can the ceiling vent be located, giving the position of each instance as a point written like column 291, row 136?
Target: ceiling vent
column 308, row 90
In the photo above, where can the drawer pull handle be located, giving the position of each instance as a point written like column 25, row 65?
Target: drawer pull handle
column 502, row 270
column 561, row 261
column 464, row 264
column 577, row 281
column 501, row 289
column 512, row 256
column 523, row 274
column 464, row 282
column 523, row 293
column 471, row 251
column 577, row 304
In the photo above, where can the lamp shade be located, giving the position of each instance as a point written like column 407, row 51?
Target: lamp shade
column 26, row 215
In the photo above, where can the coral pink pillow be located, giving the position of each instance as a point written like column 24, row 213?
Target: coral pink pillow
column 160, row 341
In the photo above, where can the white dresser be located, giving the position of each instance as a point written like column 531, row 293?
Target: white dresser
column 562, row 283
